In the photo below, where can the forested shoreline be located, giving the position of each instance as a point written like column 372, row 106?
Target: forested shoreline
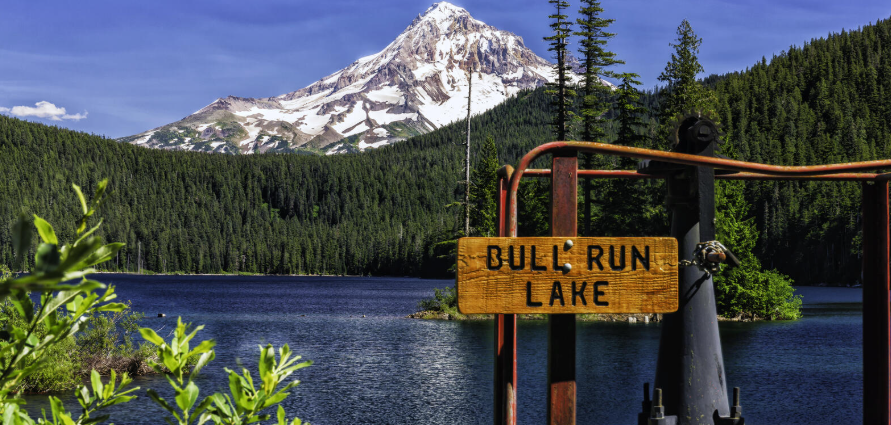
column 384, row 211
column 378, row 212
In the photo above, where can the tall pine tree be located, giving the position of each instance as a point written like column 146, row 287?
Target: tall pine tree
column 482, row 191
column 595, row 99
column 629, row 207
column 683, row 91
column 560, row 89
column 630, row 112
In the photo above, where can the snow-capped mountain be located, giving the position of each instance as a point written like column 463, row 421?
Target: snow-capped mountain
column 417, row 84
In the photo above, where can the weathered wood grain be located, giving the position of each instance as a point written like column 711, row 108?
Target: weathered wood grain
column 636, row 285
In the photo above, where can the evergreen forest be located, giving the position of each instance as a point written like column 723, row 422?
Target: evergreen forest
column 387, row 211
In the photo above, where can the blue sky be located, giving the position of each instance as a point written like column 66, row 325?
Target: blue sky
column 122, row 67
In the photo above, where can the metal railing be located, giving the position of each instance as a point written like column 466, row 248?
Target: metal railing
column 876, row 269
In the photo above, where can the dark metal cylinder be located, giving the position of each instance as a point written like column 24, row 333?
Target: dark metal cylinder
column 690, row 367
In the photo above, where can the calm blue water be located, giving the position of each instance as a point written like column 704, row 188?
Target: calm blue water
column 385, row 369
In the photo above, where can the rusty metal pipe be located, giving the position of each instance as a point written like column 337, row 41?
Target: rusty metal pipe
column 759, row 171
column 819, row 177
column 606, row 174
column 633, row 175
column 505, row 408
column 724, row 164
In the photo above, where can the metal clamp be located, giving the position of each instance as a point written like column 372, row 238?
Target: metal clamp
column 708, row 257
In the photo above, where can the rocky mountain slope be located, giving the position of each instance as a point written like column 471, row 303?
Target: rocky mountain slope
column 417, row 84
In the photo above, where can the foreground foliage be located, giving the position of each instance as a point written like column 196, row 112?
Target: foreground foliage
column 243, row 405
column 34, row 334
column 104, row 343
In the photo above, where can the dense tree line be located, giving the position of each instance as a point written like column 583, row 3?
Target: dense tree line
column 377, row 212
column 384, row 211
column 824, row 102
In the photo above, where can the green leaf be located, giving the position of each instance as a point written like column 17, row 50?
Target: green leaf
column 280, row 415
column 221, row 403
column 202, row 361
column 172, row 363
column 86, row 235
column 151, row 336
column 121, row 399
column 200, row 410
column 56, row 407
column 115, row 307
column 103, row 254
column 277, row 398
column 24, row 306
column 109, row 388
column 96, row 382
column 80, row 196
column 66, row 419
column 45, row 230
column 235, row 388
column 76, row 254
column 204, row 346
column 186, row 399
column 84, row 396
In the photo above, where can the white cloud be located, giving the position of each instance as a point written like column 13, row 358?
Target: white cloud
column 44, row 109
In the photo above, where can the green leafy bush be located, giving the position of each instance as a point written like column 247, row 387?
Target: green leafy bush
column 106, row 344
column 245, row 403
column 61, row 370
column 34, row 331
column 748, row 290
column 444, row 300
column 35, row 334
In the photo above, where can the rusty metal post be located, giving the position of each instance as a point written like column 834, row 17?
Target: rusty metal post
column 561, row 327
column 876, row 313
column 690, row 367
column 505, row 408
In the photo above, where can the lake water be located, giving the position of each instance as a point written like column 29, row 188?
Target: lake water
column 374, row 366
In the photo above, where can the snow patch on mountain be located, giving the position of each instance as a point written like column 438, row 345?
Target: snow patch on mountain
column 416, row 84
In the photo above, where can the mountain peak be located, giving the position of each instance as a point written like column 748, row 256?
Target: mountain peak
column 417, row 83
column 441, row 14
column 445, row 8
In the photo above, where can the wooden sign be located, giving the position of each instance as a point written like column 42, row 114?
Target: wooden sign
column 567, row 275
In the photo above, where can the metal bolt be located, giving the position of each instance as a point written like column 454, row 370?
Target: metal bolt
column 657, row 411
column 567, row 244
column 567, row 267
column 736, row 409
column 704, row 132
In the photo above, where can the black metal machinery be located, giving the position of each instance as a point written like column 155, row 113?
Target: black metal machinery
column 690, row 385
